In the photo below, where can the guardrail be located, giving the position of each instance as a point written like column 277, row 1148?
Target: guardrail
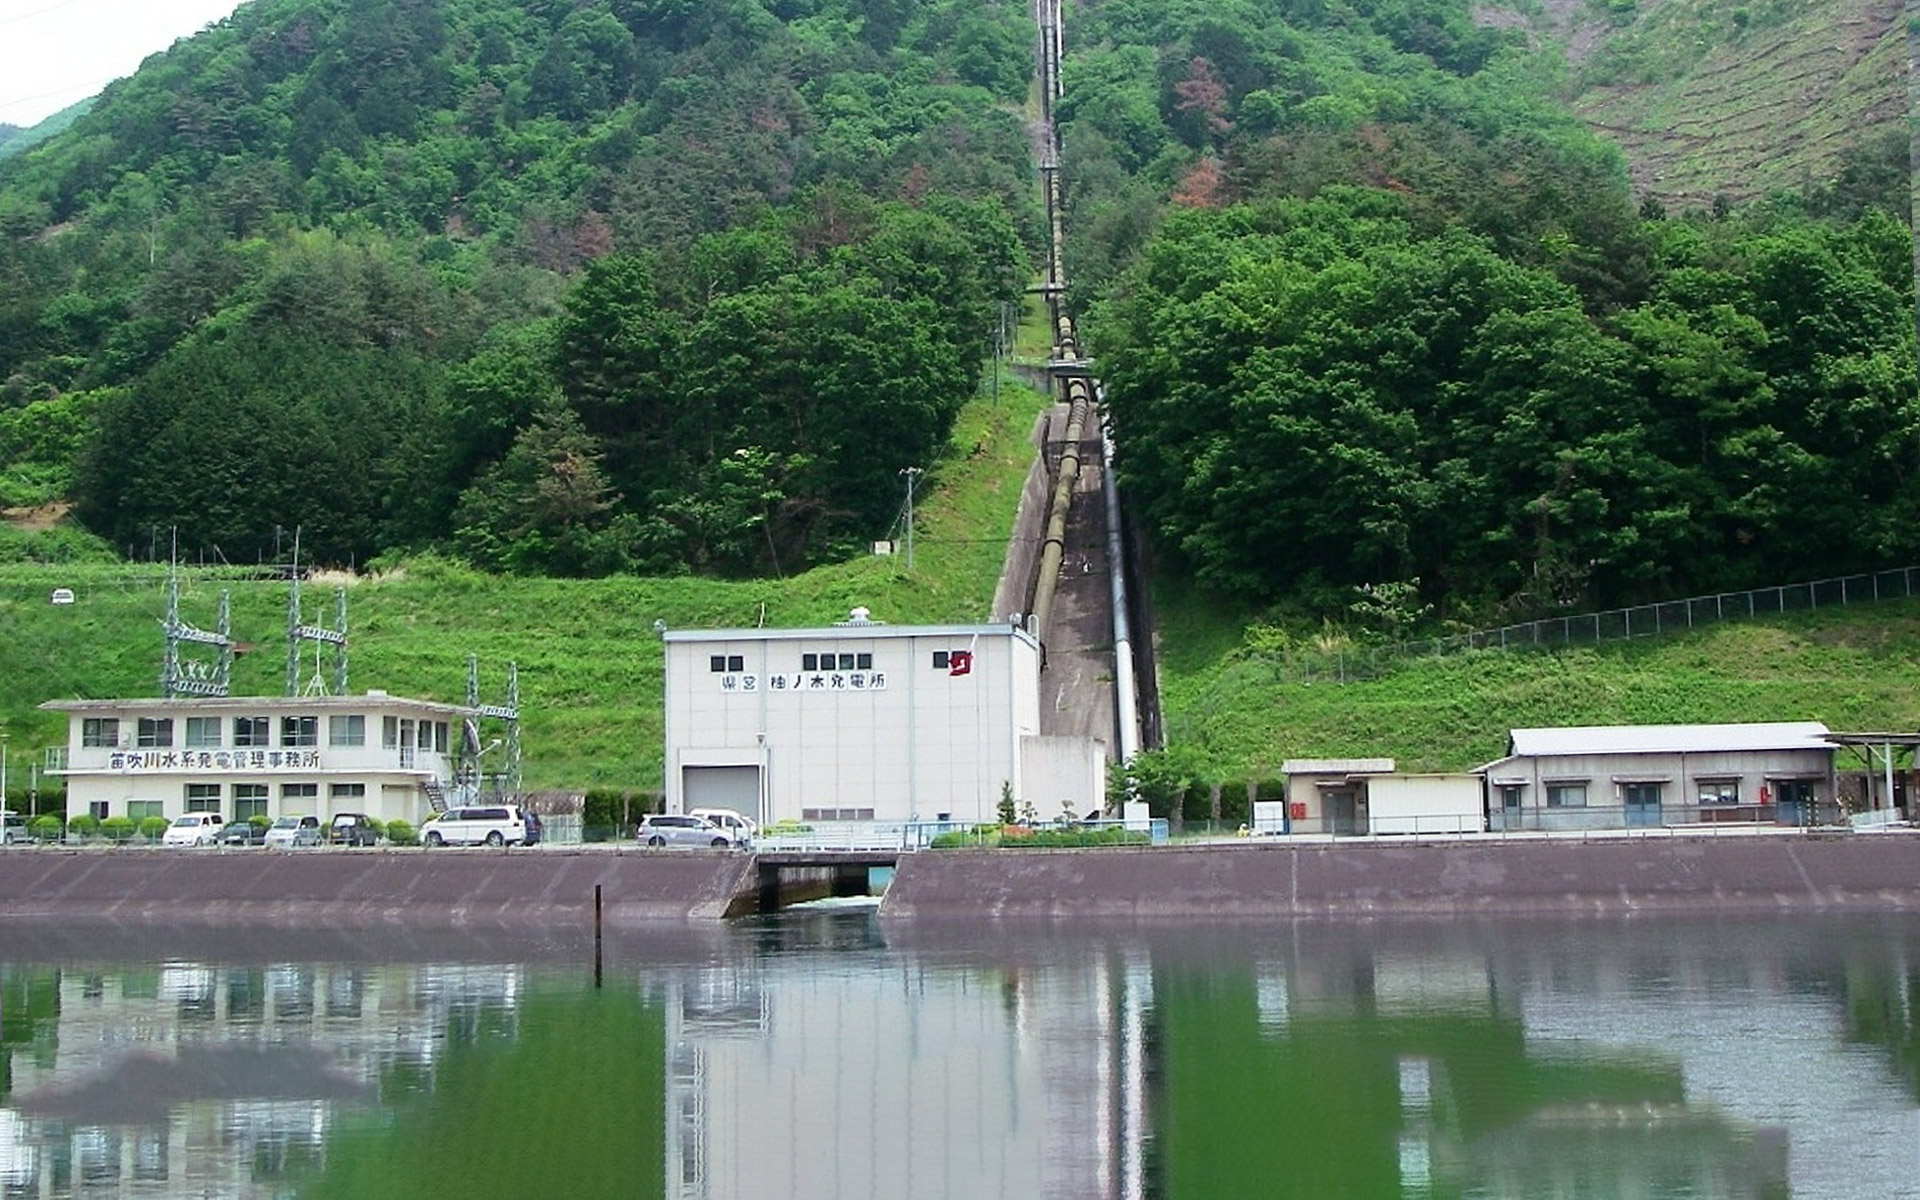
column 909, row 836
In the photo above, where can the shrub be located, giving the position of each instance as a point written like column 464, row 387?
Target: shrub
column 152, row 827
column 83, row 825
column 46, row 827
column 117, row 829
column 259, row 820
column 379, row 827
column 1070, row 837
column 400, row 833
column 979, row 835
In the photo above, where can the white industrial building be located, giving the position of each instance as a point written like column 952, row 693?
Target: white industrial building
column 248, row 756
column 863, row 721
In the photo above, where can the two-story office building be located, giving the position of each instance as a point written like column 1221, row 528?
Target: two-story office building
column 247, row 756
column 864, row 721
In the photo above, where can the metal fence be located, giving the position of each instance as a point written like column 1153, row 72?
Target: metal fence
column 855, row 836
column 1346, row 664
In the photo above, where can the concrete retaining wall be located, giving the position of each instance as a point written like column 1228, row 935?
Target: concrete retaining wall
column 375, row 889
column 370, row 888
column 1388, row 878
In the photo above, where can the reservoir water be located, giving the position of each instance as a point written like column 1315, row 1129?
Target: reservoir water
column 826, row 1054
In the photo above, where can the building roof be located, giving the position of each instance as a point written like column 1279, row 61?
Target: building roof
column 1337, row 766
column 870, row 630
column 358, row 702
column 1667, row 739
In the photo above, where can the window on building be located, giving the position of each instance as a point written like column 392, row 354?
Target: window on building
column 863, row 662
column 736, row 663
column 846, row 662
column 1511, row 794
column 347, row 791
column 299, row 731
column 100, row 731
column 939, row 660
column 836, row 814
column 717, row 663
column 1719, row 791
column 346, row 730
column 140, row 810
column 153, row 732
column 441, row 743
column 202, row 732
column 249, row 801
column 809, row 662
column 203, row 797
column 298, row 796
column 389, row 733
column 1566, row 795
column 252, row 731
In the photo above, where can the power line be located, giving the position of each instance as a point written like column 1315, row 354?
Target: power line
column 45, row 8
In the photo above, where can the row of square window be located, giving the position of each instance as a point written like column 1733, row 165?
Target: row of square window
column 1574, row 795
column 722, row 664
column 836, row 814
column 249, row 799
column 204, row 732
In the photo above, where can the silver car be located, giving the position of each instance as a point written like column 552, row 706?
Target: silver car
column 288, row 833
column 676, row 829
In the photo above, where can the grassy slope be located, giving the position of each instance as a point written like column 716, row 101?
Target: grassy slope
column 1730, row 97
column 1851, row 668
column 589, row 660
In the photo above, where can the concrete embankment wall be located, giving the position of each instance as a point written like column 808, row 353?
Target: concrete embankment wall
column 370, row 888
column 1880, row 871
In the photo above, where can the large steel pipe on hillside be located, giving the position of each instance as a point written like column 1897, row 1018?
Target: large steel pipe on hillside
column 1053, row 546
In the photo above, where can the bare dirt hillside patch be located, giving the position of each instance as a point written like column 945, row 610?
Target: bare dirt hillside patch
column 38, row 518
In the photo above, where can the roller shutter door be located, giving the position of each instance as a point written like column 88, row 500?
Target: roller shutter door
column 737, row 788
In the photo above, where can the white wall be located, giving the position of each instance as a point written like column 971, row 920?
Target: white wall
column 1425, row 804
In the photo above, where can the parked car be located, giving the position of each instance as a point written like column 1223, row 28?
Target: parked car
column 351, row 829
column 192, row 829
column 243, row 833
column 736, row 823
column 476, row 825
column 683, row 829
column 287, row 833
column 534, row 828
column 16, row 829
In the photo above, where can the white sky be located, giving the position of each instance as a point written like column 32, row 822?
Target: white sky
column 54, row 52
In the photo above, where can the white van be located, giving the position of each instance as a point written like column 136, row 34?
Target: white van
column 738, row 826
column 476, row 825
column 192, row 829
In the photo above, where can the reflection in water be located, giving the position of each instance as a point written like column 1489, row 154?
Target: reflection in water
column 820, row 1055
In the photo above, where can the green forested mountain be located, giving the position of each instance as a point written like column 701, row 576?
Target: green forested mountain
column 588, row 286
column 1384, row 324
column 326, row 265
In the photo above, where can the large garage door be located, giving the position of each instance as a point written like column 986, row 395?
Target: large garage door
column 737, row 788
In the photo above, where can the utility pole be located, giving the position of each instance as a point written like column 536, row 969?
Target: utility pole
column 910, row 474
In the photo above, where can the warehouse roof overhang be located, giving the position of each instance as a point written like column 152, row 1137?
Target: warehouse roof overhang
column 1668, row 739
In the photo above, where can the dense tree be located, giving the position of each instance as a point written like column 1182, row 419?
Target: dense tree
column 1313, row 396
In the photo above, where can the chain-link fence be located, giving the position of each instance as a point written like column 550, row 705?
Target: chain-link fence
column 1345, row 663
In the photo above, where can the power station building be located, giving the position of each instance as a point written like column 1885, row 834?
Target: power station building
column 863, row 721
